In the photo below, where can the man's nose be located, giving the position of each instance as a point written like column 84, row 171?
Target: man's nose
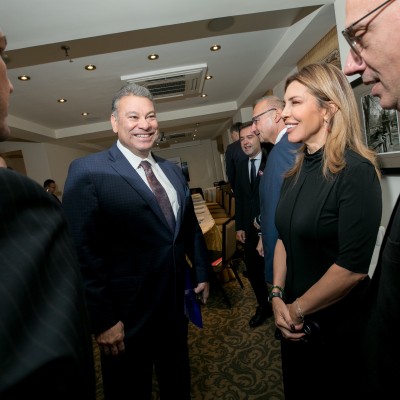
column 354, row 64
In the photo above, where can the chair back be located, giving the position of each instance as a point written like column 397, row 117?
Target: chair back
column 229, row 240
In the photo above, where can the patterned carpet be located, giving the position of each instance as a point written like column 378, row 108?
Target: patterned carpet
column 230, row 361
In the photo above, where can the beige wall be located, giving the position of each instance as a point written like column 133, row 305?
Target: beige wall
column 43, row 161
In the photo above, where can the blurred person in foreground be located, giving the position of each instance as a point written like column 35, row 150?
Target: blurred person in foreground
column 3, row 163
column 133, row 257
column 268, row 123
column 45, row 344
column 373, row 32
column 327, row 217
column 247, row 207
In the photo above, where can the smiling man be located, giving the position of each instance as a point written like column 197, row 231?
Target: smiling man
column 133, row 220
column 247, row 203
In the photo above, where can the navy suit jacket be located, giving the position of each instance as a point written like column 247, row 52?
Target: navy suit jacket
column 132, row 264
column 45, row 343
column 234, row 154
column 280, row 159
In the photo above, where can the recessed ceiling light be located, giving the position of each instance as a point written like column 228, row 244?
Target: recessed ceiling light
column 203, row 95
column 84, row 114
column 208, row 77
column 153, row 57
column 24, row 78
column 215, row 47
column 90, row 67
column 62, row 100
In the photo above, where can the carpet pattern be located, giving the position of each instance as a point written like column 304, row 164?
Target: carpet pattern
column 229, row 360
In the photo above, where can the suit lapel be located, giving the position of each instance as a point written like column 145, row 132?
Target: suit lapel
column 129, row 174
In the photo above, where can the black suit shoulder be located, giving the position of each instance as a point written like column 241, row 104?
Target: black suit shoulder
column 45, row 341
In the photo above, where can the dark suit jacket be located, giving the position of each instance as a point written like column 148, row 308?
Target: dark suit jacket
column 280, row 159
column 132, row 264
column 45, row 342
column 234, row 154
column 379, row 353
column 247, row 200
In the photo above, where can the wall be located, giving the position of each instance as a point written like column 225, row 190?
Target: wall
column 43, row 161
column 203, row 158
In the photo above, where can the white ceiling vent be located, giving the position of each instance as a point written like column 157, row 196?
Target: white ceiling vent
column 172, row 82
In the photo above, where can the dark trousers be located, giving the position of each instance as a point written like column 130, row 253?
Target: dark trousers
column 255, row 267
column 163, row 349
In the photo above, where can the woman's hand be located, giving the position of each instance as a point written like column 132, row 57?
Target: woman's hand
column 291, row 328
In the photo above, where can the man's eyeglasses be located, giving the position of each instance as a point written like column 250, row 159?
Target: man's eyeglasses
column 255, row 119
column 355, row 41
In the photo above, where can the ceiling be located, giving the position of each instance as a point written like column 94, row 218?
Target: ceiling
column 261, row 42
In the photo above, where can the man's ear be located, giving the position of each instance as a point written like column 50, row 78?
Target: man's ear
column 114, row 123
column 278, row 115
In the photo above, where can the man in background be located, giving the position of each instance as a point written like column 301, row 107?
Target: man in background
column 373, row 32
column 247, row 208
column 51, row 187
column 234, row 155
column 268, row 123
column 45, row 343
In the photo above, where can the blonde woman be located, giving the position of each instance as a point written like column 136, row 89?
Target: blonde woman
column 327, row 218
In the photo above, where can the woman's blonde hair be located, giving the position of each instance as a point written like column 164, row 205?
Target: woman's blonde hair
column 329, row 85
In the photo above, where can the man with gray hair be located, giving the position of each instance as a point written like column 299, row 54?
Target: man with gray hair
column 268, row 123
column 133, row 219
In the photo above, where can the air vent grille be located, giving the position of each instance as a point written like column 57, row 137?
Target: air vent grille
column 176, row 135
column 167, row 88
column 173, row 82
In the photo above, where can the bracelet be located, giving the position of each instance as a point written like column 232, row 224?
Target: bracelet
column 275, row 294
column 299, row 311
column 281, row 289
column 259, row 233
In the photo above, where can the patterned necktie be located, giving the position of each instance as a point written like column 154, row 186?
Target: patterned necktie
column 252, row 172
column 160, row 193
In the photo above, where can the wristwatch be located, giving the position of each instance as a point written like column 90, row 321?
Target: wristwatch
column 275, row 294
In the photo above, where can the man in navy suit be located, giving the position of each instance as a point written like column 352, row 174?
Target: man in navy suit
column 234, row 155
column 268, row 123
column 45, row 344
column 132, row 261
column 247, row 203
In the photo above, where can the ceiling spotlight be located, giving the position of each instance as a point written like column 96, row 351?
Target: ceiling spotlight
column 208, row 77
column 90, row 67
column 62, row 100
column 153, row 56
column 84, row 114
column 215, row 47
column 203, row 95
column 24, row 78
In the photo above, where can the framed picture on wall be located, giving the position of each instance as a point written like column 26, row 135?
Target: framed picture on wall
column 381, row 128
